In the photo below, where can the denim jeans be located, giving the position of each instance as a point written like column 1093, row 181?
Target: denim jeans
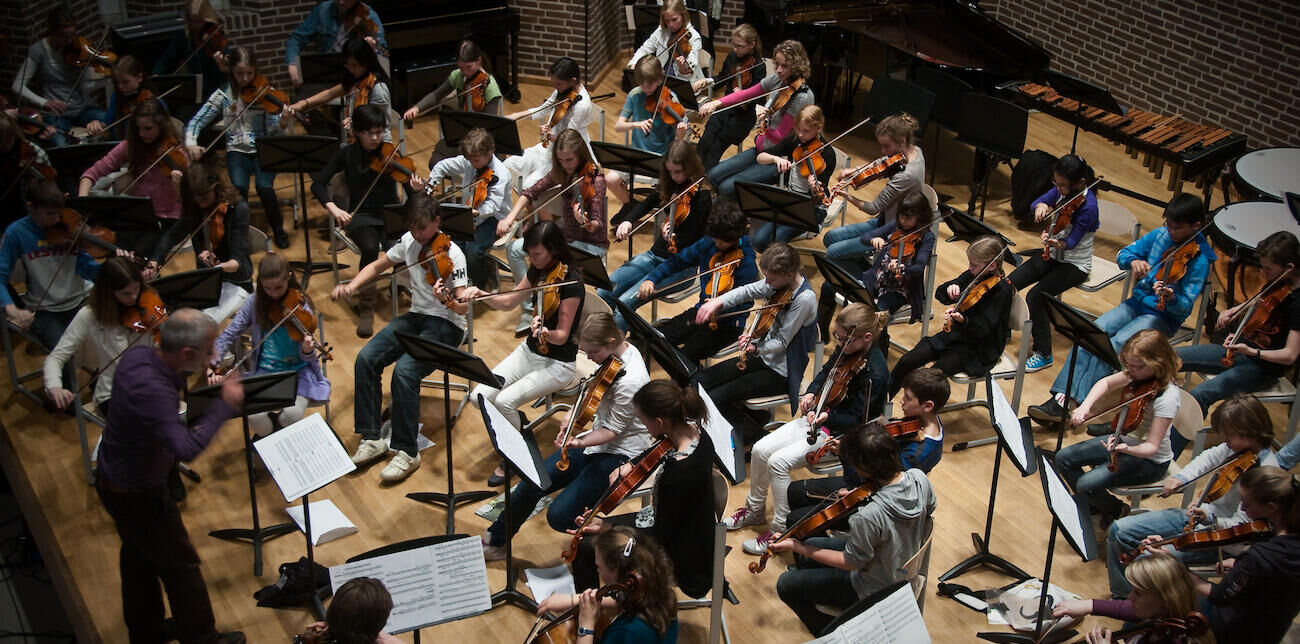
column 383, row 350
column 628, row 278
column 742, row 167
column 1093, row 484
column 1125, row 535
column 580, row 487
column 478, row 264
column 1246, row 374
column 768, row 233
column 811, row 583
column 1120, row 323
column 241, row 167
column 64, row 123
column 843, row 247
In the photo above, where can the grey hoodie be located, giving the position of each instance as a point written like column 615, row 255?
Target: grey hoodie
column 888, row 530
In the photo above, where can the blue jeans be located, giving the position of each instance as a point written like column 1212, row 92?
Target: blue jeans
column 580, row 487
column 478, row 264
column 628, row 278
column 383, row 350
column 1120, row 323
column 1245, row 374
column 811, row 583
column 1125, row 535
column 64, row 123
column 1071, row 460
column 742, row 167
column 241, row 167
column 843, row 247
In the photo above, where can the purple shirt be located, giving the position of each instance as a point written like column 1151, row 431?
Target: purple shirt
column 144, row 434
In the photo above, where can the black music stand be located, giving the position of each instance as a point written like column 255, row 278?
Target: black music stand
column 186, row 89
column 593, row 269
column 840, row 280
column 1073, row 325
column 625, row 158
column 996, row 128
column 198, row 289
column 262, row 393
column 117, row 213
column 509, row 594
column 455, row 124
column 299, row 154
column 457, row 221
column 319, row 71
column 73, row 160
column 783, row 207
column 967, row 228
column 679, row 367
column 1086, row 94
column 403, row 546
column 466, row 365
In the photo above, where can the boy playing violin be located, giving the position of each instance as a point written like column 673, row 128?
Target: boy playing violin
column 484, row 187
column 810, row 162
column 437, row 313
column 925, row 392
column 643, row 116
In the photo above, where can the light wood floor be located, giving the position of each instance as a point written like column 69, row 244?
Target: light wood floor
column 41, row 457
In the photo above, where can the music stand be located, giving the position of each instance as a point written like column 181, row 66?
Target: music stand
column 840, row 280
column 593, row 269
column 1083, row 333
column 967, row 228
column 73, row 160
column 262, row 393
column 1086, row 94
column 512, row 446
column 299, row 154
column 678, row 367
column 403, row 546
column 466, row 365
column 783, row 207
column 319, row 70
column 996, row 128
column 189, row 88
column 455, row 124
column 198, row 289
column 117, row 213
column 625, row 158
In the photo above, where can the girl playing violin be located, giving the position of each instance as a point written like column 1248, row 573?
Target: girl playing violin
column 217, row 222
column 1268, row 344
column 437, row 313
column 896, row 134
column 362, row 81
column 582, row 211
column 155, row 164
column 1144, row 452
column 274, row 347
column 616, row 435
column 484, row 187
column 1067, row 257
column 363, row 221
column 742, row 69
column 780, row 351
column 675, row 43
column 688, row 202
column 329, row 26
column 883, row 534
column 132, row 87
column 1246, row 429
column 545, row 362
column 249, row 122
column 643, row 115
column 776, row 114
column 810, row 163
column 475, row 86
column 205, row 30
column 66, row 100
column 858, row 369
column 21, row 161
column 683, row 516
column 577, row 114
column 1161, row 589
column 976, row 324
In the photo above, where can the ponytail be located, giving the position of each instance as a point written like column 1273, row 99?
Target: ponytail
column 676, row 405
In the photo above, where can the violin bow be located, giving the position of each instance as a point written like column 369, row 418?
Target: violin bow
column 519, row 222
column 126, row 116
column 265, row 336
column 176, row 249
column 749, row 310
column 555, row 103
column 660, row 292
column 149, row 329
column 516, row 291
column 748, row 102
column 82, row 76
column 235, row 119
column 724, row 79
column 831, row 142
column 1123, row 404
column 1254, row 302
column 378, row 175
column 220, row 27
column 961, row 297
column 677, row 197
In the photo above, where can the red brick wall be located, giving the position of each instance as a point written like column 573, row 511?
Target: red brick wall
column 1235, row 65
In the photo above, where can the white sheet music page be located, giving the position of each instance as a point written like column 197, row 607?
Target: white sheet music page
column 719, row 431
column 304, row 457
column 896, row 619
column 1009, row 423
column 511, row 443
column 1062, row 502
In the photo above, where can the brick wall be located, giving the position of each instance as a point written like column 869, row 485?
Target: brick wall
column 1231, row 64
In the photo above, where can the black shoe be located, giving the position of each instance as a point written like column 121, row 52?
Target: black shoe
column 169, row 632
column 1048, row 413
column 281, row 240
column 276, row 425
column 1028, row 224
column 496, row 481
column 1118, row 514
column 1099, row 429
column 233, row 637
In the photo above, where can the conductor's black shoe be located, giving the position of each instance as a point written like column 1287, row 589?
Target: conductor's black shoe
column 1099, row 429
column 1048, row 413
column 233, row 637
column 280, row 238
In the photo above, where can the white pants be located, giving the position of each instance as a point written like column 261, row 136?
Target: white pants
column 260, row 424
column 532, row 165
column 772, row 459
column 232, row 297
column 528, row 376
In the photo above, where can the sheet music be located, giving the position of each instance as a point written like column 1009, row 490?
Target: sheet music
column 430, row 585
column 1009, row 426
column 1063, row 506
column 896, row 619
column 304, row 457
column 510, row 442
column 719, row 431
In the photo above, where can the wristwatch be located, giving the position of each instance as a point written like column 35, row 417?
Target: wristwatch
column 585, row 631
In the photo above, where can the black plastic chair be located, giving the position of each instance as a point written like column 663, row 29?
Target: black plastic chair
column 891, row 96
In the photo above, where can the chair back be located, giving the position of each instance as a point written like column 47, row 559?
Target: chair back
column 1189, row 420
column 592, row 303
column 257, row 240
column 1019, row 312
column 932, row 197
column 1114, row 219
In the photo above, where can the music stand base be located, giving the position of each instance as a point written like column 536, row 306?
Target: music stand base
column 450, row 502
column 983, row 557
column 1023, row 638
column 313, row 601
column 255, row 537
column 514, row 598
column 314, row 267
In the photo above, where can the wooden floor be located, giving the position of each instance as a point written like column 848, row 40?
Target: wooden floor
column 41, row 457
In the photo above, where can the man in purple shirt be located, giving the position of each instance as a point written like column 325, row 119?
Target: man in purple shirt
column 143, row 438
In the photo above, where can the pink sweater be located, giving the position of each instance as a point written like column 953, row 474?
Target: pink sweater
column 156, row 185
column 775, row 132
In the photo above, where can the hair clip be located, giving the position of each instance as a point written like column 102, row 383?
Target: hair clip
column 631, row 545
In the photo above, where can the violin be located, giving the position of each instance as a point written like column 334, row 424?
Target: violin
column 811, row 164
column 98, row 241
column 27, row 155
column 385, row 160
column 681, row 210
column 79, row 53
column 482, row 183
column 663, row 104
column 866, row 173
column 1258, row 313
column 1165, row 629
column 559, row 110
column 723, row 265
column 1063, row 216
column 171, row 153
column 474, row 96
column 146, row 315
column 904, row 428
column 836, row 385
column 779, row 102
column 437, row 261
column 583, row 193
column 643, row 466
column 746, row 73
column 1204, row 539
column 971, row 296
column 548, row 300
column 301, row 322
column 260, row 92
column 683, row 49
column 815, row 522
column 214, row 38
column 1174, row 263
column 760, row 325
column 564, row 628
column 358, row 19
column 590, row 393
column 902, row 251
column 1227, row 476
column 1134, row 401
column 31, row 123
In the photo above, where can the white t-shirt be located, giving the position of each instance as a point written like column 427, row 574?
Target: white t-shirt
column 616, row 412
column 1164, row 406
column 407, row 251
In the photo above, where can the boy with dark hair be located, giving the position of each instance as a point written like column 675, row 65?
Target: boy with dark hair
column 924, row 393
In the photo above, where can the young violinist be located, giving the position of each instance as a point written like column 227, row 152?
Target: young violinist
column 132, row 87
column 1262, row 349
column 591, row 453
column 724, row 242
column 155, row 163
column 253, row 121
column 275, row 344
column 362, row 81
column 924, row 393
column 810, row 163
column 1161, row 300
column 66, row 89
column 368, row 192
column 741, row 69
column 476, row 88
column 21, row 162
column 772, row 360
column 437, row 313
column 643, row 116
column 484, row 187
column 859, row 369
column 1247, row 430
column 896, row 134
column 545, row 361
column 582, row 209
column 883, row 534
column 328, row 26
column 357, row 613
column 201, row 48
column 217, row 221
column 1142, row 453
column 688, row 201
column 775, row 115
column 571, row 109
column 675, row 43
column 683, row 514
column 976, row 324
column 1066, row 260
column 1161, row 589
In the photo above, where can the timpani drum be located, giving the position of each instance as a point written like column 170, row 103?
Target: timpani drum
column 1240, row 227
column 1267, row 174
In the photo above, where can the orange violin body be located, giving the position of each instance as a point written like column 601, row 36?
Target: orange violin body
column 972, row 296
column 301, row 323
column 385, row 159
column 681, row 210
column 564, row 628
column 811, row 165
column 813, row 523
column 558, row 112
column 147, row 315
column 482, row 183
column 643, row 466
column 1202, row 539
column 1258, row 316
column 217, row 225
column 1173, row 267
column 779, row 102
column 746, row 74
column 584, row 409
column 358, row 19
column 548, row 299
column 1136, row 397
column 475, row 98
column 1062, row 217
column 80, row 53
column 766, row 318
column 878, row 169
column 439, row 267
column 261, row 93
column 97, row 241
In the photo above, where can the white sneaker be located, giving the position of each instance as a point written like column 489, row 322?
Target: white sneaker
column 369, row 450
column 744, row 517
column 490, row 552
column 758, row 546
column 400, row 467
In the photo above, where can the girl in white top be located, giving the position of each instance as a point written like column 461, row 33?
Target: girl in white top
column 1144, row 452
column 667, row 43
column 535, row 162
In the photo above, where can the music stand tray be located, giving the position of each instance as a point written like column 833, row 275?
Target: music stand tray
column 298, row 154
column 1083, row 91
column 593, row 269
column 625, row 158
column 319, row 71
column 842, row 281
column 189, row 88
column 783, row 207
column 681, row 87
column 455, row 124
column 1082, row 333
column 198, row 289
column 117, row 213
column 76, row 159
column 679, row 367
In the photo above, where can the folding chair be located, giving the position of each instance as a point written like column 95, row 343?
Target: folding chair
column 1190, row 423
